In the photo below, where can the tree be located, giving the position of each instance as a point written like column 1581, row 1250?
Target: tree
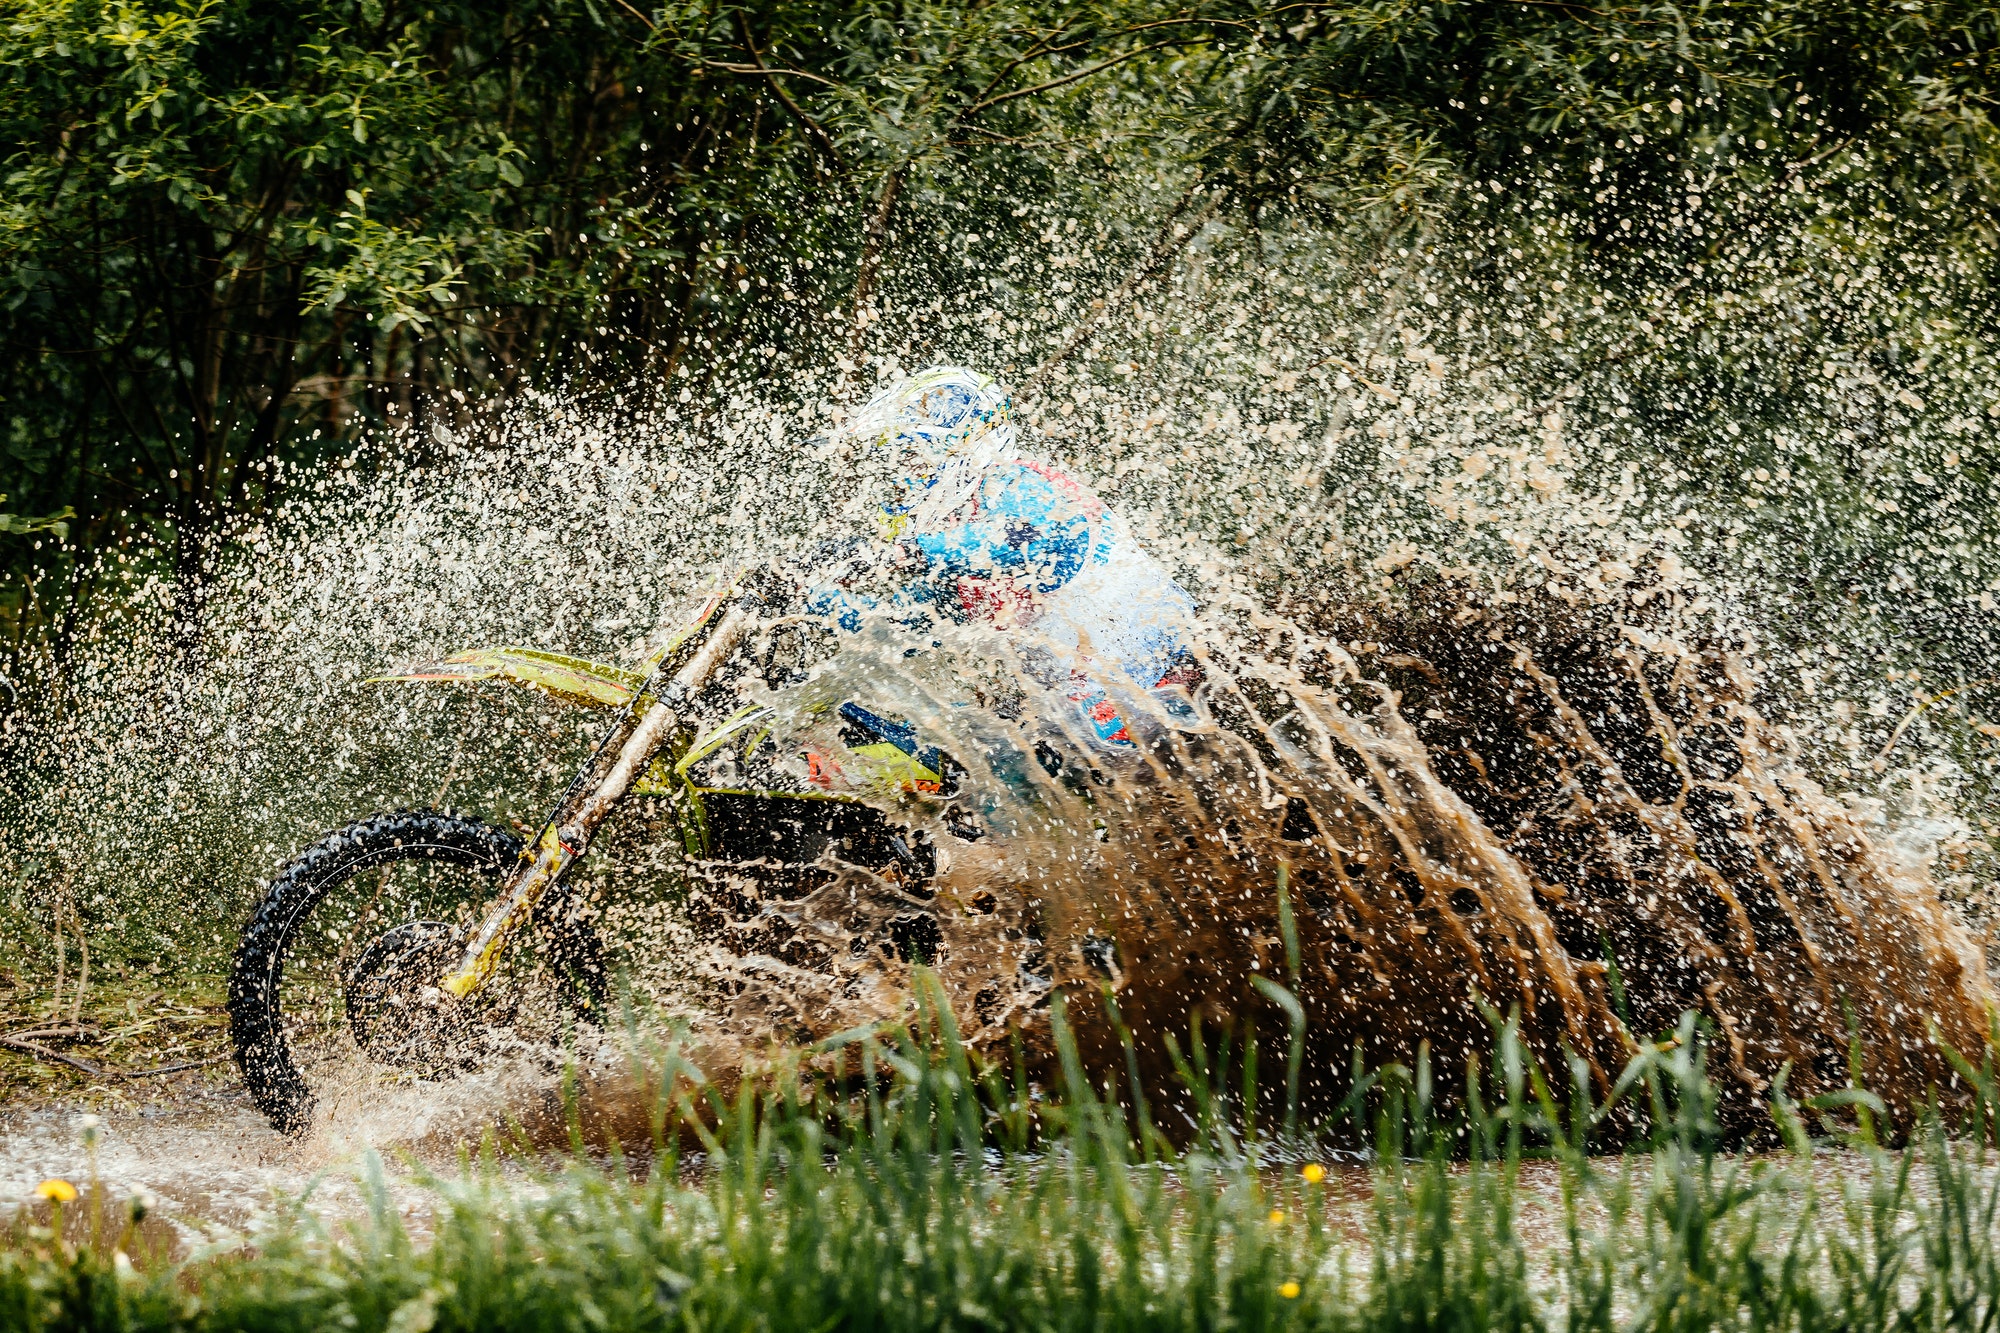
column 235, row 234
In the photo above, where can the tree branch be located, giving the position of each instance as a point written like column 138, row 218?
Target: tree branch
column 978, row 107
column 650, row 25
column 871, row 254
column 1042, row 50
column 1163, row 251
column 734, row 67
column 43, row 1053
column 797, row 112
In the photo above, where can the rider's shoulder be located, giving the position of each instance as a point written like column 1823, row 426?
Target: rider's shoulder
column 1033, row 476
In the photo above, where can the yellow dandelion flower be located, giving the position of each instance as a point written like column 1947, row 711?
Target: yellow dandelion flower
column 58, row 1191
column 1277, row 1217
column 1290, row 1291
column 1313, row 1172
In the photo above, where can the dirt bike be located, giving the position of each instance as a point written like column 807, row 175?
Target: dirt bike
column 392, row 935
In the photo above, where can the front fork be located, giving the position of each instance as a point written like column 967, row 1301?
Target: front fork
column 614, row 766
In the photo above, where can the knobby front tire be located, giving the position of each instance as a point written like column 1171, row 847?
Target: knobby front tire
column 257, row 1028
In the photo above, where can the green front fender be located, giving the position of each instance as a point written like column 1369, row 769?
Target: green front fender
column 572, row 679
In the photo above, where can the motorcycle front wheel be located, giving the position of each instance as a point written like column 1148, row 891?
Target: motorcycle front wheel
column 340, row 959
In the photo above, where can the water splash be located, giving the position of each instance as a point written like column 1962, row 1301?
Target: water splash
column 1391, row 504
column 1480, row 802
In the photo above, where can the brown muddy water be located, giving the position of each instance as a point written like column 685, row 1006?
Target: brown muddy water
column 1455, row 683
column 1480, row 805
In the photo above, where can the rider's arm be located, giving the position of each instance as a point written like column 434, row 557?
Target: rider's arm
column 863, row 577
column 1030, row 527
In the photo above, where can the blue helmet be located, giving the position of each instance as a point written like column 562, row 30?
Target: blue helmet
column 933, row 414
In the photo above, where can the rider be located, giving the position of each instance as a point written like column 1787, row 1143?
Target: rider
column 1009, row 541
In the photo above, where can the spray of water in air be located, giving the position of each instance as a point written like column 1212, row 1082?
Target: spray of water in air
column 1527, row 707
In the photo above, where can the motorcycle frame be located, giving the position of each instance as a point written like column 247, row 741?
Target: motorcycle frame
column 628, row 760
column 650, row 719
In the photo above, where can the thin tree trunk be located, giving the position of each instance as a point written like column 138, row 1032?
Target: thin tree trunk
column 871, row 255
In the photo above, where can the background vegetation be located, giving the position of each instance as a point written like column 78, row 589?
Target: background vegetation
column 234, row 235
column 1750, row 242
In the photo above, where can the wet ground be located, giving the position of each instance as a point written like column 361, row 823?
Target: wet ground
column 189, row 1140
column 198, row 1151
column 209, row 1167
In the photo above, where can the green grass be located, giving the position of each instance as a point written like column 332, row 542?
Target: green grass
column 892, row 1183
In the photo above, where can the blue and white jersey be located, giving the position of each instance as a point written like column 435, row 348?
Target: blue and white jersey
column 1016, row 544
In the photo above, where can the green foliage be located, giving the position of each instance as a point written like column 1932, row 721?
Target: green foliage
column 1747, row 247
column 19, row 525
column 903, row 1188
column 236, row 232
